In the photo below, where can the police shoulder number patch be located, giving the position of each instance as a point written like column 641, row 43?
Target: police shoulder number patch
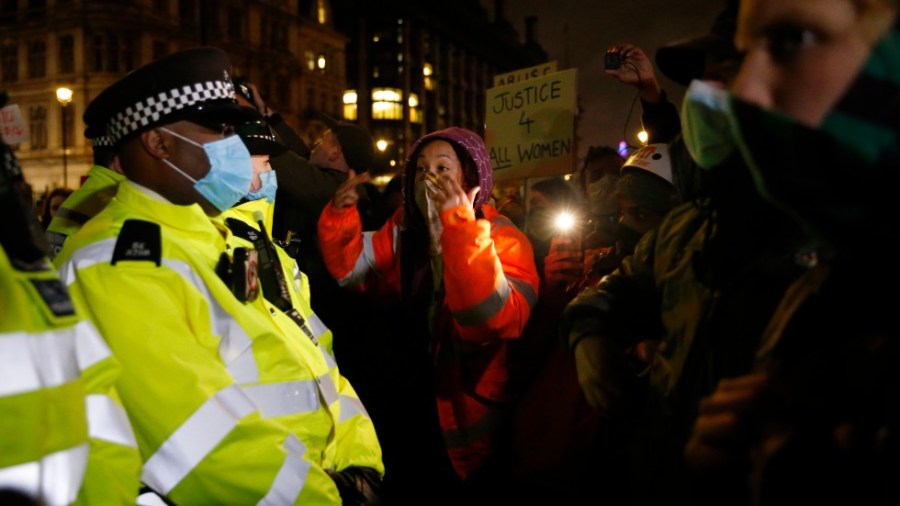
column 138, row 241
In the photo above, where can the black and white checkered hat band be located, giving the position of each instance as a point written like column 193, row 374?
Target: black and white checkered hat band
column 101, row 141
column 150, row 110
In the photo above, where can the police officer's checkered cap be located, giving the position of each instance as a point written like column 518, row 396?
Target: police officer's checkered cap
column 189, row 84
column 102, row 141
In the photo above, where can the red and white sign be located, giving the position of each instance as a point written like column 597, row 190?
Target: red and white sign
column 12, row 126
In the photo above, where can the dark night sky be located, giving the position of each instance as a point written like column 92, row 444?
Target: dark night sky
column 594, row 26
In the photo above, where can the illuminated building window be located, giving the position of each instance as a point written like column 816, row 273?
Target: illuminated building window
column 350, row 107
column 428, row 72
column 387, row 103
column 415, row 112
column 310, row 58
column 322, row 11
column 320, row 62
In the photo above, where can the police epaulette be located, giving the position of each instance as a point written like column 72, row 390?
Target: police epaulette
column 242, row 230
column 139, row 240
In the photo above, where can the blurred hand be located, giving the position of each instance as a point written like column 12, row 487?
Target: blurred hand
column 636, row 70
column 346, row 194
column 258, row 101
column 727, row 424
column 446, row 193
column 563, row 265
column 600, row 363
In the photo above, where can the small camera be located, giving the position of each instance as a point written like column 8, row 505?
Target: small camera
column 613, row 60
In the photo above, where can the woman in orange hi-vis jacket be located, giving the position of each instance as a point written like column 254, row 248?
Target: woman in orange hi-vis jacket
column 466, row 274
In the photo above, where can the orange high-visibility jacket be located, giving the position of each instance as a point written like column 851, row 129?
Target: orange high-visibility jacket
column 491, row 286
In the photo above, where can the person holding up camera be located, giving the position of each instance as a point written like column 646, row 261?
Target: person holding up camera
column 629, row 65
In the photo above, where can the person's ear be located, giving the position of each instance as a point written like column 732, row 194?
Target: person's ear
column 154, row 143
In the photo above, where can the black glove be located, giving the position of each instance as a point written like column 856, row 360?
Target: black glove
column 358, row 486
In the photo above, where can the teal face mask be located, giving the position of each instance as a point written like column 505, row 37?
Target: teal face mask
column 706, row 124
column 268, row 188
column 230, row 170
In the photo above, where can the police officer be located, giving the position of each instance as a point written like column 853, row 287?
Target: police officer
column 285, row 300
column 227, row 407
column 63, row 437
column 98, row 189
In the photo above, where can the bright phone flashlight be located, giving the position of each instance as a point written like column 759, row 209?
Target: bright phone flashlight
column 564, row 222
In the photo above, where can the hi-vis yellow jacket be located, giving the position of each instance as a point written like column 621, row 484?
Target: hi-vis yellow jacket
column 63, row 437
column 85, row 202
column 203, row 374
column 355, row 442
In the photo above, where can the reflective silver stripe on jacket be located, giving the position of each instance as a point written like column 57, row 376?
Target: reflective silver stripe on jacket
column 455, row 438
column 364, row 263
column 326, row 386
column 91, row 348
column 350, row 407
column 235, row 346
column 287, row 398
column 328, row 358
column 493, row 303
column 525, row 289
column 85, row 257
column 107, row 421
column 316, row 325
column 53, row 480
column 196, row 438
column 31, row 361
column 291, row 478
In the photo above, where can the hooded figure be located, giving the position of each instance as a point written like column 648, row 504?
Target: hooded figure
column 466, row 276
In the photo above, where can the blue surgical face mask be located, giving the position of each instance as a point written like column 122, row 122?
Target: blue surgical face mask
column 230, row 170
column 268, row 188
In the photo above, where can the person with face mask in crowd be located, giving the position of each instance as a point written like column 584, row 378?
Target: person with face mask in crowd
column 769, row 276
column 546, row 200
column 643, row 194
column 813, row 116
column 285, row 299
column 468, row 283
column 207, row 391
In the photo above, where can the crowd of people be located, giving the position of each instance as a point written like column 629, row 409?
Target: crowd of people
column 224, row 314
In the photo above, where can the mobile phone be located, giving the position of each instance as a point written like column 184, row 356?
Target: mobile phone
column 613, row 60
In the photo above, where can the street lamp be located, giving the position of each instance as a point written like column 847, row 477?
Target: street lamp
column 64, row 96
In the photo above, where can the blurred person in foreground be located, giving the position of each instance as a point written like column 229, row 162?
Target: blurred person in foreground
column 64, row 437
column 813, row 114
column 765, row 279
